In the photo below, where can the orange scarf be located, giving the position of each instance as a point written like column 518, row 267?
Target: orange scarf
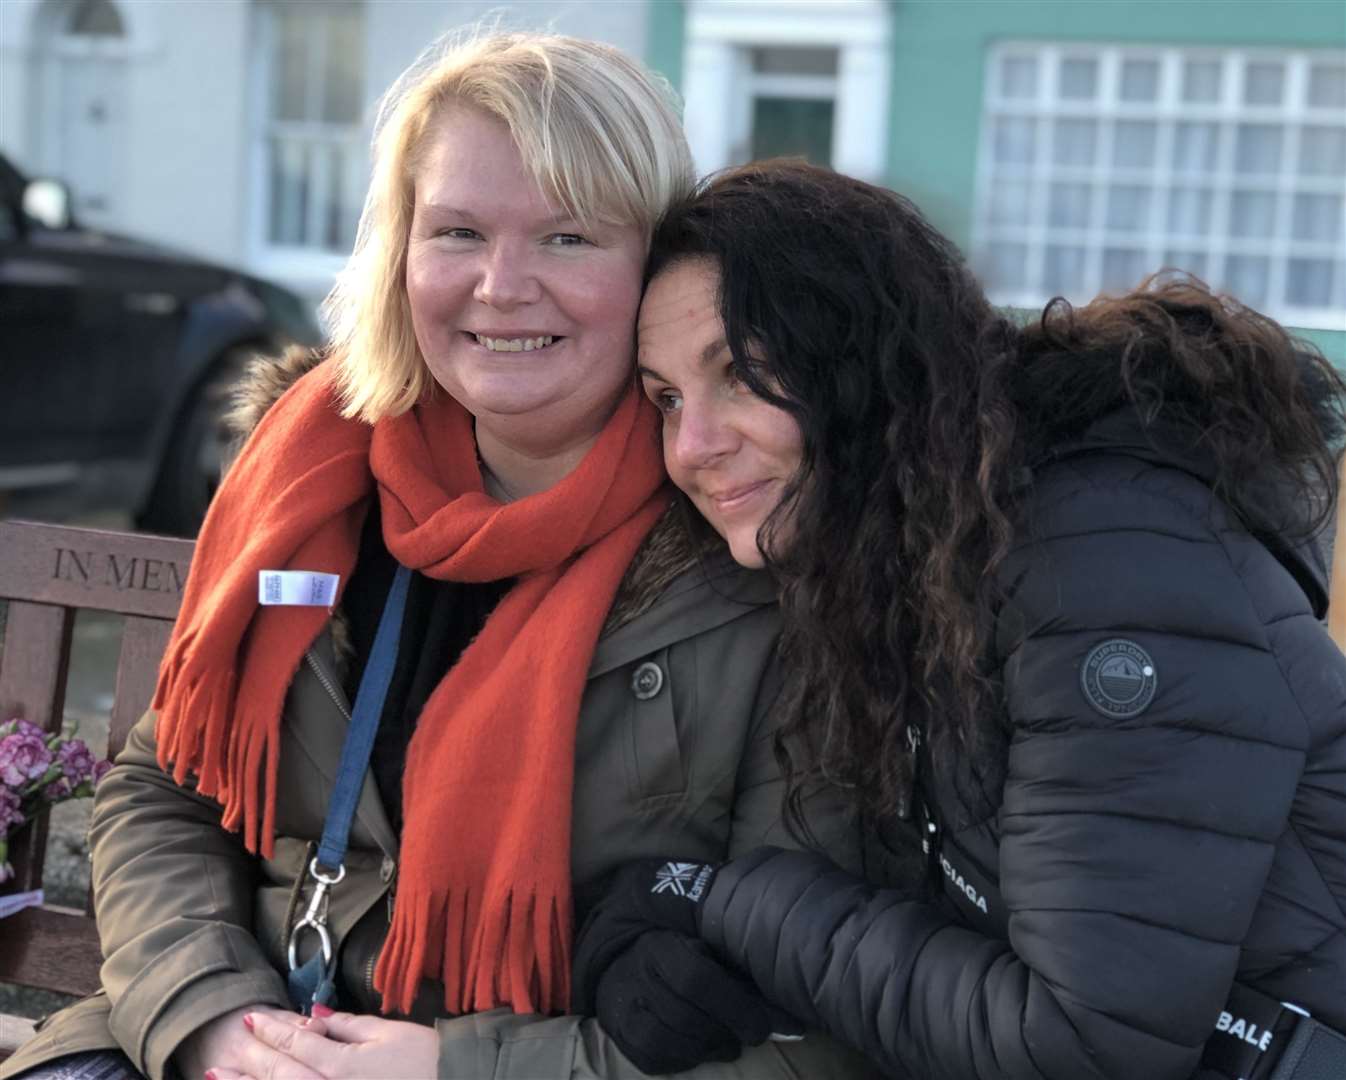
column 483, row 899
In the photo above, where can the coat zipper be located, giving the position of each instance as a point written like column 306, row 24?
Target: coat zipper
column 327, row 684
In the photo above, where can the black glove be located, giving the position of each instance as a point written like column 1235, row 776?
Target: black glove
column 643, row 895
column 669, row 1005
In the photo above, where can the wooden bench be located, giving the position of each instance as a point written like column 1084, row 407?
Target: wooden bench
column 47, row 574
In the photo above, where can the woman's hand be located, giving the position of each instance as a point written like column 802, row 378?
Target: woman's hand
column 226, row 1047
column 340, row 1046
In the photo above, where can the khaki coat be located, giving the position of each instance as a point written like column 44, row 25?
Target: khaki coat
column 192, row 926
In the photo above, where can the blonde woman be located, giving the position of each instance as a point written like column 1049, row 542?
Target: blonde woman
column 572, row 684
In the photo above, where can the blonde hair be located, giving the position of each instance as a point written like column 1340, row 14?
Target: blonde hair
column 600, row 133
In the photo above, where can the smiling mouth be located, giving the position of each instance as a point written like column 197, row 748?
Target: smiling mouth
column 525, row 344
column 731, row 500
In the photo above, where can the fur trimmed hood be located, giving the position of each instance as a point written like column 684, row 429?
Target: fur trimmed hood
column 669, row 551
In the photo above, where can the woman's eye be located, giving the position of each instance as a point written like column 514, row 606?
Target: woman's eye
column 567, row 239
column 666, row 401
column 459, row 234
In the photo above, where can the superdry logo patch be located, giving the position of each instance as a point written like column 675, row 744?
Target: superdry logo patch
column 683, row 879
column 1119, row 678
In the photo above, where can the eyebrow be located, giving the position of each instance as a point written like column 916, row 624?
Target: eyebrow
column 559, row 218
column 708, row 355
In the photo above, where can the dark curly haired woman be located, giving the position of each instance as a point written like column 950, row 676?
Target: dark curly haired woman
column 1053, row 604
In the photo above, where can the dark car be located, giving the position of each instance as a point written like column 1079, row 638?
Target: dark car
column 116, row 357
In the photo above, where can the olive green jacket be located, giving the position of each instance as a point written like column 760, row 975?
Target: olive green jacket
column 674, row 756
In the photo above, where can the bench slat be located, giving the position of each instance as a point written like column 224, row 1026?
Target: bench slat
column 91, row 568
column 53, row 948
column 32, row 685
column 143, row 643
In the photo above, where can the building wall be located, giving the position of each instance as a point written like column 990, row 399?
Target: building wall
column 939, row 59
column 179, row 161
column 184, row 160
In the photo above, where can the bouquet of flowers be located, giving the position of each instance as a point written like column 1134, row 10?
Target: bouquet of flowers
column 38, row 770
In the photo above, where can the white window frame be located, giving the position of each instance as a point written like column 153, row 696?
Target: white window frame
column 719, row 84
column 1159, row 178
column 309, row 269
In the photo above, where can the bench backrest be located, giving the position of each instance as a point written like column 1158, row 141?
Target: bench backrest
column 47, row 574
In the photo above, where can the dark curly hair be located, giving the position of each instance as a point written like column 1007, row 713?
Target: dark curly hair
column 920, row 407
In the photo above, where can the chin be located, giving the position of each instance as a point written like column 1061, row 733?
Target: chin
column 745, row 551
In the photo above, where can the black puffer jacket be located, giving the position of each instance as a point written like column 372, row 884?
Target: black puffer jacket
column 1139, row 859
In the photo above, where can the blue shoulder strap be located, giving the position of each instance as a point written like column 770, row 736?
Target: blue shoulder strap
column 364, row 725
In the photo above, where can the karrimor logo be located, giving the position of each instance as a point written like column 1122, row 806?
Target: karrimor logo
column 687, row 879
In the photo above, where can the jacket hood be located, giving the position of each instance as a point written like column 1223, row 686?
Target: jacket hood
column 669, row 551
column 1267, row 492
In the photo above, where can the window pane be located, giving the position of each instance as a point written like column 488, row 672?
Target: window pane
column 1189, row 211
column 1005, row 265
column 1129, row 208
column 1308, row 282
column 1019, row 77
column 1068, row 206
column 1327, row 86
column 1122, row 268
column 1246, row 276
column 1133, row 144
column 1079, row 79
column 1195, row 147
column 1262, row 83
column 1189, row 262
column 1258, row 148
column 1201, row 81
column 1140, row 80
column 1317, row 217
column 1064, row 270
column 95, row 18
column 1014, row 139
column 1073, row 142
column 289, row 192
column 289, row 67
column 1011, row 202
column 1252, row 214
column 342, row 80
column 787, row 61
column 789, row 126
column 1322, row 151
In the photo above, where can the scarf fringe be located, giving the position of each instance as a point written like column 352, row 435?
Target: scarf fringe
column 516, row 954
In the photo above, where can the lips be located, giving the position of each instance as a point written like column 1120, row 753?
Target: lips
column 731, row 499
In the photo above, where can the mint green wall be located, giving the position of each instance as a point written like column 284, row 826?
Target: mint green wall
column 666, row 33
column 939, row 53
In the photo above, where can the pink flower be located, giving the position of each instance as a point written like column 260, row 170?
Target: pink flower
column 101, row 769
column 58, row 789
column 10, row 814
column 77, row 762
column 23, row 758
column 24, row 727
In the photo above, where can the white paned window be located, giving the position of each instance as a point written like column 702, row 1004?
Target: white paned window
column 310, row 145
column 1099, row 165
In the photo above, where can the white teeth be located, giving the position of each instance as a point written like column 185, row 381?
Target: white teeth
column 514, row 344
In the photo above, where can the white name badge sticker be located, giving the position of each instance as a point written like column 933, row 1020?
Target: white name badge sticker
column 296, row 588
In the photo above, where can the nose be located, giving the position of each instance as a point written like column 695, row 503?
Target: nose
column 704, row 435
column 506, row 280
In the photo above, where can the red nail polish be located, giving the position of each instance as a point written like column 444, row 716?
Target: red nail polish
column 248, row 1021
column 321, row 1011
column 210, row 1074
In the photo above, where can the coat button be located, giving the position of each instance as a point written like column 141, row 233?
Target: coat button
column 647, row 681
column 386, row 870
